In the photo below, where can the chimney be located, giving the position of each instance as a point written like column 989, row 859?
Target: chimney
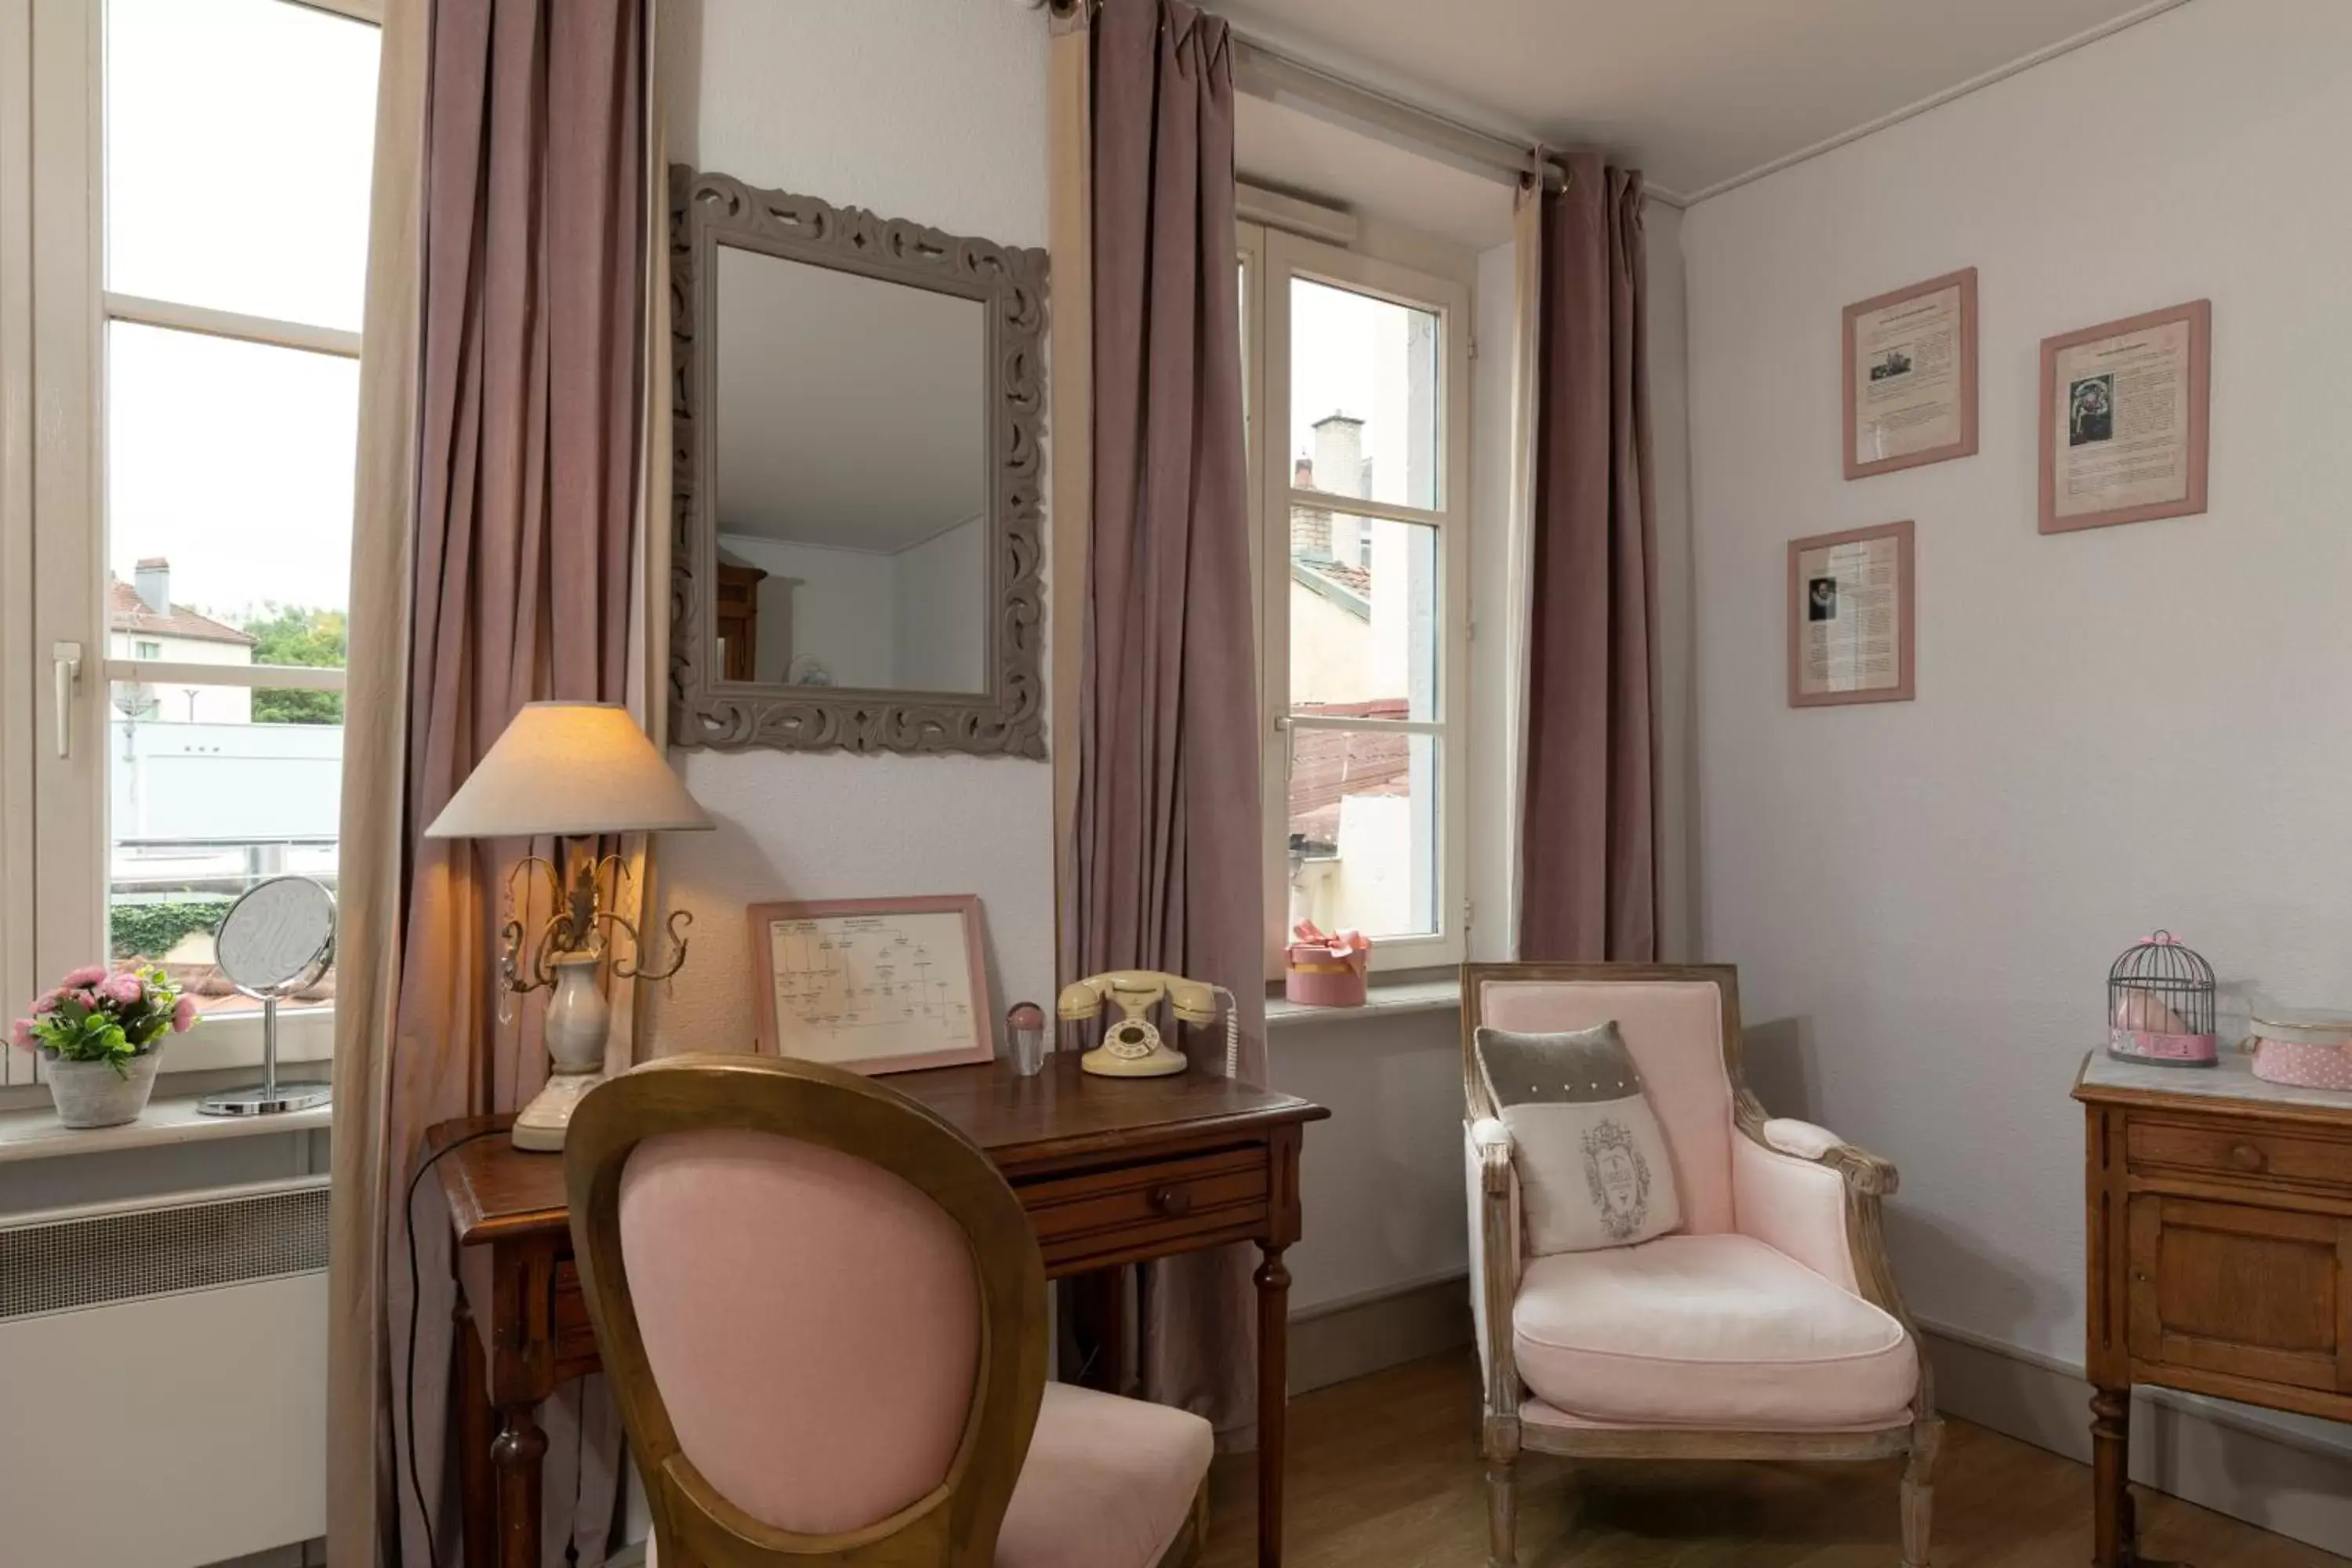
column 1339, row 454
column 154, row 583
column 1310, row 526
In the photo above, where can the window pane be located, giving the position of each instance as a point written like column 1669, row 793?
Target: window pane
column 1363, row 832
column 239, row 144
column 1363, row 396
column 1364, row 615
column 228, row 479
column 213, row 789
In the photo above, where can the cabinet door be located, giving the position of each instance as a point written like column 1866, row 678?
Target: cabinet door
column 2249, row 1292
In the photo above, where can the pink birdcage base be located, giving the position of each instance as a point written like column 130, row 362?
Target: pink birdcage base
column 2164, row 1049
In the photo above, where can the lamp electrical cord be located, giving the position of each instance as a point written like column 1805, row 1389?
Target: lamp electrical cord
column 408, row 1385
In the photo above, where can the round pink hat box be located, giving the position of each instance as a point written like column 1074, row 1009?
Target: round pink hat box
column 2308, row 1050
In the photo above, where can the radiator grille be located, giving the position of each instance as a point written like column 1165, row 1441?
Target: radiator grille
column 134, row 1254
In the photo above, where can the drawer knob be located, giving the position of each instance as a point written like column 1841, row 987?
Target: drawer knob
column 2246, row 1157
column 1173, row 1200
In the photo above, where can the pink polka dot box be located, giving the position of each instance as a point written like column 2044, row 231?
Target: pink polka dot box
column 2309, row 1051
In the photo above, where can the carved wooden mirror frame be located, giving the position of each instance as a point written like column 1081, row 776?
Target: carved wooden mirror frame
column 1007, row 717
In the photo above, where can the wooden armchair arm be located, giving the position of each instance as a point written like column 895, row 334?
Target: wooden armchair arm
column 1494, row 1260
column 1871, row 1172
column 1868, row 1180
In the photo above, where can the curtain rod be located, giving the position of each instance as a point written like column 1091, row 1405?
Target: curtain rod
column 1266, row 73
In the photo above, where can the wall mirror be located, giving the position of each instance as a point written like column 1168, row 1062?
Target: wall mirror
column 857, row 410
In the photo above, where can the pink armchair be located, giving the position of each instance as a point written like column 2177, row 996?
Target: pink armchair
column 1768, row 1327
column 823, row 1314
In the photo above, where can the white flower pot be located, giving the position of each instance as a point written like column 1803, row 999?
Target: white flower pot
column 92, row 1094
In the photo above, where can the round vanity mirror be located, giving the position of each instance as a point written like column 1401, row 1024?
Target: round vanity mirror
column 277, row 939
column 276, row 942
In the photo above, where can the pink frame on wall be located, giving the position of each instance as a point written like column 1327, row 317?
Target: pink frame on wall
column 773, row 1040
column 1906, row 636
column 1964, row 280
column 2197, row 314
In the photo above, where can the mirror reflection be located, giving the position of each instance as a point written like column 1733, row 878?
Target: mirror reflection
column 852, row 475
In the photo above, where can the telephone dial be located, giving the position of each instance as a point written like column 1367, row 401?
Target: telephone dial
column 1132, row 1046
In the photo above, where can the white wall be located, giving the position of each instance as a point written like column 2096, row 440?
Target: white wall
column 922, row 110
column 844, row 610
column 2116, row 729
column 942, row 610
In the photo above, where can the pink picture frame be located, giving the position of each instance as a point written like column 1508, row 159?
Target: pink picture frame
column 1906, row 688
column 1965, row 446
column 2198, row 316
column 872, row 985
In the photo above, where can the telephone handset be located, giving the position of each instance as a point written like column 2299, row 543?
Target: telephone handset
column 1132, row 1047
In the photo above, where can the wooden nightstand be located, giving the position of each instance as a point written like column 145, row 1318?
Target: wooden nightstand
column 2219, row 1235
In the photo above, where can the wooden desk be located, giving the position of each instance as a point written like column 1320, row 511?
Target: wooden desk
column 2220, row 1239
column 1112, row 1171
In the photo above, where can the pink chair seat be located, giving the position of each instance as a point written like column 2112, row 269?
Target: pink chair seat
column 1108, row 1484
column 1715, row 1331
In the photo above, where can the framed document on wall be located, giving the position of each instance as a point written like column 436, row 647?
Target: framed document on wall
column 2124, row 415
column 1850, row 622
column 1911, row 376
column 874, row 985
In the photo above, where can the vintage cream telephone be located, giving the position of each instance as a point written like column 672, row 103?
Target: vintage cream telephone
column 1131, row 1047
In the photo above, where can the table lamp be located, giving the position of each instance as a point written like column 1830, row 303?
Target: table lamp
column 570, row 769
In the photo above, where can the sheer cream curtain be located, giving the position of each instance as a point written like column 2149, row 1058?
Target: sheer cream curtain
column 497, row 560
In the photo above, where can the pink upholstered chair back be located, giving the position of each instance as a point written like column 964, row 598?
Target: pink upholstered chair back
column 1681, row 1022
column 812, row 1296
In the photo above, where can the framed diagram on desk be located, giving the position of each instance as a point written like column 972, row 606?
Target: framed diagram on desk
column 874, row 985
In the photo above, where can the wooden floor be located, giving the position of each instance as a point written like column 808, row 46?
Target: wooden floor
column 1382, row 1475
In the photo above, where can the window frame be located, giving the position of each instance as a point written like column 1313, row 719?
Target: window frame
column 1271, row 258
column 54, row 312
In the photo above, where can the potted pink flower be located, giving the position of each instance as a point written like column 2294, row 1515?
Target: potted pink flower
column 100, row 1038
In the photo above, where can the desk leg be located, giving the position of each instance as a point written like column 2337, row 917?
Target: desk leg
column 1273, row 1399
column 477, row 1478
column 520, row 1450
column 2113, row 1540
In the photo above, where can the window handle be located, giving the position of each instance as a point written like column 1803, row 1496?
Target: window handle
column 1289, row 733
column 66, row 662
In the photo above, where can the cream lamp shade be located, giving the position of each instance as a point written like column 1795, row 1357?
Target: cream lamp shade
column 569, row 769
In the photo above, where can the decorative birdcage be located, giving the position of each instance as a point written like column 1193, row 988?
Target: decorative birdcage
column 2161, row 1005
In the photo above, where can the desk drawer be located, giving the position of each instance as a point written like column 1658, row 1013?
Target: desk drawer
column 2244, row 1152
column 1121, row 1206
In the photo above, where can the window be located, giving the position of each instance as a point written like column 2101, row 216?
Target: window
column 198, row 183
column 1357, row 376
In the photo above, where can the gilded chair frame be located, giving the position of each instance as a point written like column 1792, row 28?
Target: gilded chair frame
column 1868, row 1180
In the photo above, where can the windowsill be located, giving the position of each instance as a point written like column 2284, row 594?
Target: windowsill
column 35, row 1134
column 1386, row 999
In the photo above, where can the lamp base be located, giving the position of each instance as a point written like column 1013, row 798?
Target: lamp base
column 543, row 1122
column 264, row 1099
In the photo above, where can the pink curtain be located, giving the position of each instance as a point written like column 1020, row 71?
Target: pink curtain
column 1588, row 871
column 1165, row 863
column 525, row 427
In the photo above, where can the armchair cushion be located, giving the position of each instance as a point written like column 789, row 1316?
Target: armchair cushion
column 1715, row 1331
column 1595, row 1168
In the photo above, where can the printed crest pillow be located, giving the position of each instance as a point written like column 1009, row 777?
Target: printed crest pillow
column 1593, row 1163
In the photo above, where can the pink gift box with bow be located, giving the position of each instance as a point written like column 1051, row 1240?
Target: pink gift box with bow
column 1327, row 970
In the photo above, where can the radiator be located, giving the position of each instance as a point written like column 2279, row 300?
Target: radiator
column 164, row 1379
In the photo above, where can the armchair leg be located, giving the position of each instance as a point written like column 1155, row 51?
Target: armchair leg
column 1919, row 1490
column 1502, row 1447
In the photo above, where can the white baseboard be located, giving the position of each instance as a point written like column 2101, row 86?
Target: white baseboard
column 1336, row 1340
column 2282, row 1473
